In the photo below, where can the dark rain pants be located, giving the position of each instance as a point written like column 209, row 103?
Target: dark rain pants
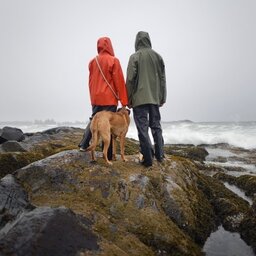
column 85, row 142
column 145, row 117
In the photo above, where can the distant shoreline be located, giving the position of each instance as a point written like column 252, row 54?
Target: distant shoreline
column 60, row 123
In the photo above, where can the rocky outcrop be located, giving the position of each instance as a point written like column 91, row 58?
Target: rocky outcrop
column 171, row 198
column 36, row 146
column 122, row 199
column 123, row 209
column 15, row 155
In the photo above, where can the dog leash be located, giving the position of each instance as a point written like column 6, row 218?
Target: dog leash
column 98, row 64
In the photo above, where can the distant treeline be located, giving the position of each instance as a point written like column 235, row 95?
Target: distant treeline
column 37, row 122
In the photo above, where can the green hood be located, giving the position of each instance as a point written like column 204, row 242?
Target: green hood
column 145, row 81
column 142, row 40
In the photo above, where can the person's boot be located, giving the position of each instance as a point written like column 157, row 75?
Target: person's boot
column 85, row 142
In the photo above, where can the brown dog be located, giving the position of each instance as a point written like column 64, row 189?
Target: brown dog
column 107, row 123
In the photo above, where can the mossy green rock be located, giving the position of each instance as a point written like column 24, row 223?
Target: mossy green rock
column 39, row 145
column 248, row 227
column 195, row 153
column 246, row 182
column 121, row 200
column 169, row 208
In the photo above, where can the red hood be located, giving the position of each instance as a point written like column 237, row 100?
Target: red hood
column 104, row 45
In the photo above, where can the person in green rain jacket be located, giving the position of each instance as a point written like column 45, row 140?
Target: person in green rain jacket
column 146, row 88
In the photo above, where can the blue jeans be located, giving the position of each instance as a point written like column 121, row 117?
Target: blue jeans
column 145, row 117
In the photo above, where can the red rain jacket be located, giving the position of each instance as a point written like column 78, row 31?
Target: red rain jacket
column 100, row 92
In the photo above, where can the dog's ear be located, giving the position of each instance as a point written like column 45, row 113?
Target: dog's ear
column 128, row 110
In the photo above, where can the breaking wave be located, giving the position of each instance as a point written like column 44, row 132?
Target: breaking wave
column 235, row 134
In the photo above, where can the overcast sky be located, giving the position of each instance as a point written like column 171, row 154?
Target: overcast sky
column 209, row 49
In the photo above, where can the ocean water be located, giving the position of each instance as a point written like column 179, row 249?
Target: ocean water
column 239, row 134
column 242, row 134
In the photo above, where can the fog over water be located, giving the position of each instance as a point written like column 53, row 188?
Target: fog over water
column 209, row 49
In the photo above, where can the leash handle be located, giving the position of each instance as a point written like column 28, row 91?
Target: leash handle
column 98, row 64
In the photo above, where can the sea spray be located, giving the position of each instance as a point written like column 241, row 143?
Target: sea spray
column 239, row 134
column 236, row 134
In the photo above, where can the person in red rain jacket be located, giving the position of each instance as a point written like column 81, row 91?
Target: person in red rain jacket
column 104, row 94
column 100, row 92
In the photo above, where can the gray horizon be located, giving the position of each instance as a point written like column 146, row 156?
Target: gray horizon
column 209, row 49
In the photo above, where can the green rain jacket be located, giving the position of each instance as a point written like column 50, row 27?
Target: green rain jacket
column 146, row 83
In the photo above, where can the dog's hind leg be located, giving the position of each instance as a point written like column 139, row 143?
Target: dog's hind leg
column 93, row 155
column 106, row 141
column 92, row 147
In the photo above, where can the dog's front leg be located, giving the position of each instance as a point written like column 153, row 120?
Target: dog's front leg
column 93, row 155
column 113, row 148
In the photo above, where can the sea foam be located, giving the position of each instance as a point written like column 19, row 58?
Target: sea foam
column 236, row 134
column 241, row 134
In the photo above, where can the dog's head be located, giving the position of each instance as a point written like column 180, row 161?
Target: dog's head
column 123, row 110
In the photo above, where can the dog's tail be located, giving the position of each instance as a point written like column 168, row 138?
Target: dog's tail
column 94, row 132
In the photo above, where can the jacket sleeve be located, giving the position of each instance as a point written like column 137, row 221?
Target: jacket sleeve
column 118, row 79
column 131, row 81
column 163, row 84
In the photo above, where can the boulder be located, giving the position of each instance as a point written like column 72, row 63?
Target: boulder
column 48, row 231
column 53, row 171
column 11, row 133
column 11, row 161
column 56, row 130
column 13, row 199
column 12, row 146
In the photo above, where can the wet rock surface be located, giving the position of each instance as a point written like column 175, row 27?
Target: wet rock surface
column 246, row 182
column 47, row 231
column 232, row 160
column 196, row 153
column 123, row 209
column 13, row 199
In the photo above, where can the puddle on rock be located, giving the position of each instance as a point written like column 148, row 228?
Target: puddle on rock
column 238, row 191
column 225, row 243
